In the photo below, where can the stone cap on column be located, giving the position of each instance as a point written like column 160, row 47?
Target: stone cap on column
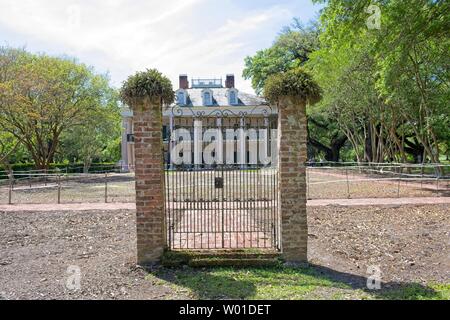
column 145, row 89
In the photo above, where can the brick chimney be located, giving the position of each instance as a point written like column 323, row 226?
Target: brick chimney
column 184, row 82
column 229, row 82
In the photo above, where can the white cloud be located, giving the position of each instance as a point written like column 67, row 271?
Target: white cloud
column 124, row 36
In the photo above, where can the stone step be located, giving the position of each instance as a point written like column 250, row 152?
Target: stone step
column 221, row 257
column 227, row 262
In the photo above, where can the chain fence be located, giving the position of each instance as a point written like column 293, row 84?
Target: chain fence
column 324, row 181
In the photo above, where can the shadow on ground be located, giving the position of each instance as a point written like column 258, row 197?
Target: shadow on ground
column 311, row 282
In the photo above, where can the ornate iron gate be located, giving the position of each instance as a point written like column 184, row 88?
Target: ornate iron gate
column 221, row 205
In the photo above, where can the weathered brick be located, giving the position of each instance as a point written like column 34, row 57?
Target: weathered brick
column 292, row 179
column 150, row 227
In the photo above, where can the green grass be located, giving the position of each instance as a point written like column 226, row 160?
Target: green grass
column 285, row 283
column 417, row 292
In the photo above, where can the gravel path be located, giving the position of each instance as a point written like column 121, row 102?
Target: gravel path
column 311, row 203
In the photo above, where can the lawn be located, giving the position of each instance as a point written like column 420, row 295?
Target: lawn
column 285, row 283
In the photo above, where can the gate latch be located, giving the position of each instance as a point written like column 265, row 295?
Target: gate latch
column 218, row 183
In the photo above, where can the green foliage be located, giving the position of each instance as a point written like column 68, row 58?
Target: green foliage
column 387, row 88
column 20, row 168
column 418, row 292
column 99, row 137
column 43, row 97
column 385, row 91
column 291, row 50
column 11, row 150
column 293, row 83
column 148, row 84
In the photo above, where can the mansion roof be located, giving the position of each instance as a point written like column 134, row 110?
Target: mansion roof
column 220, row 98
column 210, row 94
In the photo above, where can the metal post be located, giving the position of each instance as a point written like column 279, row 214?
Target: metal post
column 29, row 178
column 106, row 187
column 421, row 178
column 169, row 136
column 348, row 183
column 437, row 185
column 308, row 185
column 11, row 184
column 59, row 188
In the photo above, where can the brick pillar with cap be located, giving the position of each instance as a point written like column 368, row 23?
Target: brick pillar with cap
column 149, row 170
column 292, row 133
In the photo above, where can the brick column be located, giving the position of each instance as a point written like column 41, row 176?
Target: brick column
column 150, row 222
column 292, row 133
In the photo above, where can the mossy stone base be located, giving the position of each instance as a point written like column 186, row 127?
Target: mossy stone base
column 233, row 258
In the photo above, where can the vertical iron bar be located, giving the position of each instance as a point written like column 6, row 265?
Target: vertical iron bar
column 180, row 205
column 221, row 202
column 167, row 206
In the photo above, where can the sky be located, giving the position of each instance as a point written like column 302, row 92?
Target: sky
column 201, row 38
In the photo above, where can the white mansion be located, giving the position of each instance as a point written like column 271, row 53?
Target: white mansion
column 217, row 105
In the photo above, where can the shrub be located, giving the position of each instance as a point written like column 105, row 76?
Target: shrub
column 295, row 83
column 20, row 168
column 148, row 84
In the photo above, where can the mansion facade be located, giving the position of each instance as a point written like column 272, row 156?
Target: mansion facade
column 211, row 103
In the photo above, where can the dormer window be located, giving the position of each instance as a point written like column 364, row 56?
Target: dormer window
column 233, row 97
column 207, row 97
column 181, row 97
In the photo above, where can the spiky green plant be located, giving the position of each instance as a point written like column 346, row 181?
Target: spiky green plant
column 295, row 83
column 150, row 84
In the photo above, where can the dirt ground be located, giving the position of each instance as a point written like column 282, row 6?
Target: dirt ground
column 36, row 249
column 409, row 244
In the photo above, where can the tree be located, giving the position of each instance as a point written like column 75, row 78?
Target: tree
column 8, row 145
column 389, row 88
column 290, row 50
column 42, row 97
column 99, row 137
